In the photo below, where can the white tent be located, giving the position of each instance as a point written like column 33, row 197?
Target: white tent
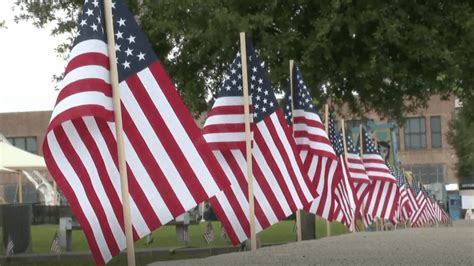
column 5, row 170
column 13, row 158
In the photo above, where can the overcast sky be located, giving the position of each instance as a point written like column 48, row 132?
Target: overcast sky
column 28, row 63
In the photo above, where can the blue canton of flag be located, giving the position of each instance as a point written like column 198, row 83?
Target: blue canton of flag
column 131, row 47
column 335, row 136
column 416, row 186
column 368, row 145
column 233, row 79
column 351, row 148
column 400, row 179
column 302, row 97
column 263, row 99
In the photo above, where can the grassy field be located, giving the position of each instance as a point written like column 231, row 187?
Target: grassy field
column 42, row 236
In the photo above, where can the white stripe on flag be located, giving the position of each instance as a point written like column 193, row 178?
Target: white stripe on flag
column 180, row 135
column 79, row 192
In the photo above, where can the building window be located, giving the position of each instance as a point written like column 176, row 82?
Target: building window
column 427, row 173
column 28, row 144
column 415, row 133
column 435, row 132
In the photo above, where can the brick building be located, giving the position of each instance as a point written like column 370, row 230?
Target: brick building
column 422, row 143
column 25, row 130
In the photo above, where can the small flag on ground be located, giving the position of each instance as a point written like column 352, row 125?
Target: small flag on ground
column 186, row 238
column 55, row 245
column 10, row 247
column 209, row 233
column 170, row 167
column 223, row 233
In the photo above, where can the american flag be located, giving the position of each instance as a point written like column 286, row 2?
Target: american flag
column 418, row 217
column 346, row 199
column 404, row 205
column 55, row 245
column 9, row 250
column 357, row 172
column 411, row 196
column 318, row 156
column 382, row 201
column 280, row 187
column 430, row 211
column 209, row 233
column 170, row 167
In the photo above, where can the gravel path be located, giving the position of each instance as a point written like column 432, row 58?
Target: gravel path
column 425, row 246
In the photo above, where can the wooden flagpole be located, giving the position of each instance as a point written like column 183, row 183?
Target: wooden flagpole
column 299, row 232
column 20, row 187
column 119, row 131
column 361, row 149
column 326, row 124
column 343, row 131
column 248, row 140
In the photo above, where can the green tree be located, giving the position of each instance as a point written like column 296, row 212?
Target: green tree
column 388, row 53
column 461, row 136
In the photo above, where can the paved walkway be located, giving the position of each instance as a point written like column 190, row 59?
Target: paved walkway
column 422, row 246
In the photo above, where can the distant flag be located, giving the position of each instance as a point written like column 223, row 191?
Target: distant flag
column 223, row 233
column 404, row 205
column 346, row 199
column 209, row 233
column 430, row 211
column 412, row 197
column 382, row 201
column 357, row 172
column 170, row 167
column 421, row 201
column 186, row 238
column 55, row 245
column 10, row 247
column 318, row 156
column 280, row 186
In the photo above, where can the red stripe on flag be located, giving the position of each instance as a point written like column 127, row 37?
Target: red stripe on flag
column 75, row 161
column 142, row 203
column 191, row 128
column 308, row 122
column 286, row 160
column 267, row 154
column 73, row 202
column 224, row 128
column 167, row 140
column 109, row 189
column 268, row 191
column 85, row 85
column 81, row 111
column 86, row 59
column 220, row 213
column 151, row 165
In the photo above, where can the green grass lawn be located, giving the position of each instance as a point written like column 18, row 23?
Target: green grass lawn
column 42, row 236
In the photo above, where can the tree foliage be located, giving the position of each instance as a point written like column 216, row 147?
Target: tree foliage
column 389, row 53
column 461, row 136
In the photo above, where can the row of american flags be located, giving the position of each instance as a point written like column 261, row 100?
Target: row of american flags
column 300, row 161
